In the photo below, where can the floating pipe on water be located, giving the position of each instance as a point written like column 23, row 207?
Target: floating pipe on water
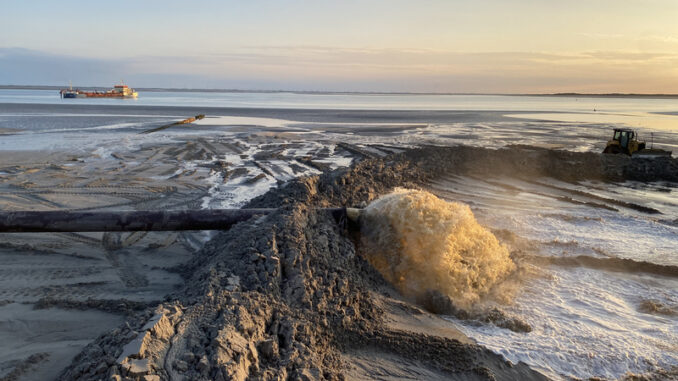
column 185, row 121
column 140, row 220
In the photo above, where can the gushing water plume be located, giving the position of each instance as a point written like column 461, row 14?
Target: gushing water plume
column 421, row 243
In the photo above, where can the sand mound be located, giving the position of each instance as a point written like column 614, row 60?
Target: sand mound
column 284, row 296
column 419, row 243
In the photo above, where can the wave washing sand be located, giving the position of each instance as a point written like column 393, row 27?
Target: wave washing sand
column 420, row 243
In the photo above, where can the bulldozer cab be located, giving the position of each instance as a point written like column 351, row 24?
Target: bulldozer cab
column 623, row 137
column 624, row 141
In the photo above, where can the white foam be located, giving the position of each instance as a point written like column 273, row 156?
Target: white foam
column 585, row 323
column 235, row 193
column 243, row 121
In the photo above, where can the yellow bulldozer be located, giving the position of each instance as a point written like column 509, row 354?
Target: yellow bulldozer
column 626, row 141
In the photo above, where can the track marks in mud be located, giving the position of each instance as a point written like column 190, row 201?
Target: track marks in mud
column 81, row 268
column 24, row 366
column 125, row 264
column 119, row 306
column 133, row 238
column 82, row 238
column 12, row 274
column 80, row 290
column 99, row 197
column 34, row 199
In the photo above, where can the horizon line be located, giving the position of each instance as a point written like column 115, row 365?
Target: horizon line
column 329, row 92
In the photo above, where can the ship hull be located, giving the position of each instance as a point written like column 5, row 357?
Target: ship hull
column 105, row 95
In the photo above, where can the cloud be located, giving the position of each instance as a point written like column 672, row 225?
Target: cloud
column 602, row 36
column 669, row 39
column 615, row 56
column 358, row 69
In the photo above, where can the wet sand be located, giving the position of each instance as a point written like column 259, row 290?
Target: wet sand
column 50, row 280
column 59, row 291
column 288, row 294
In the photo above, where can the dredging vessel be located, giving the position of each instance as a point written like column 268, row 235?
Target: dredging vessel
column 118, row 91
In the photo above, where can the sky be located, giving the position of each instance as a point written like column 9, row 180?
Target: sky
column 482, row 46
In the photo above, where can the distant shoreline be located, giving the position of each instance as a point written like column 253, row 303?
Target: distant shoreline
column 184, row 90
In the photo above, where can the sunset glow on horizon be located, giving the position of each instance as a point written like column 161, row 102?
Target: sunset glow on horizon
column 432, row 46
